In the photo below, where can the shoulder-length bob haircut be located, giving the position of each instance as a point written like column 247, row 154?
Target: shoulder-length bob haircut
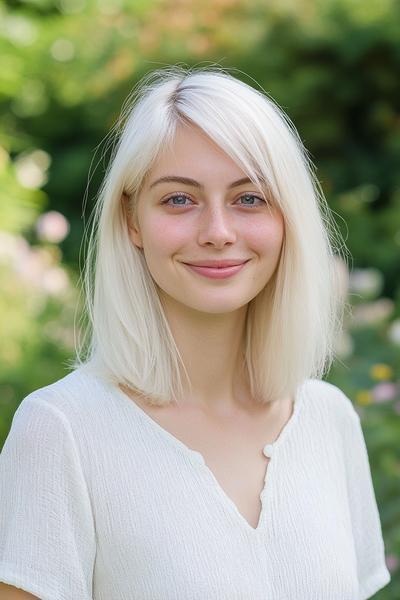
column 292, row 324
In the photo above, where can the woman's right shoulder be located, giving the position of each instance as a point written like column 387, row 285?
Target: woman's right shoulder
column 71, row 395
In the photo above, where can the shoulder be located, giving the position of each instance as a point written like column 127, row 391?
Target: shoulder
column 68, row 415
column 329, row 400
column 70, row 398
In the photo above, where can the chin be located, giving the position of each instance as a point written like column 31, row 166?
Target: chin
column 216, row 308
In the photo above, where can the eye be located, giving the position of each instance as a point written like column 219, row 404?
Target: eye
column 182, row 197
column 250, row 197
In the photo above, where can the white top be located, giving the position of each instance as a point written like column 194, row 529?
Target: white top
column 98, row 501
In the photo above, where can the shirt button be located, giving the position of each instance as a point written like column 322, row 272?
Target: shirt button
column 267, row 450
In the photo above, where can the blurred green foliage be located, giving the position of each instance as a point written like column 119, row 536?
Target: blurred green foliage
column 332, row 65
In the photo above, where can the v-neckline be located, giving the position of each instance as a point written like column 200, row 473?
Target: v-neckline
column 198, row 459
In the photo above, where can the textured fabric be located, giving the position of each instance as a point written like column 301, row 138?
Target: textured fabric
column 99, row 501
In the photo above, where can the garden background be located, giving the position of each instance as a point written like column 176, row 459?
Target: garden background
column 332, row 65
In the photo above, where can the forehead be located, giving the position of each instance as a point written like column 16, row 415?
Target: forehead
column 193, row 153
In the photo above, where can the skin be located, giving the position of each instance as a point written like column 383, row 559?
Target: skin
column 207, row 316
column 9, row 592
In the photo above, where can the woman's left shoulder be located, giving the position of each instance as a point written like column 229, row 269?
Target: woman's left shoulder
column 329, row 397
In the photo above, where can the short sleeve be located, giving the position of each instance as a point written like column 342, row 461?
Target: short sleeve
column 47, row 537
column 373, row 573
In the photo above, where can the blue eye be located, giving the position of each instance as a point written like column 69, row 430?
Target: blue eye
column 183, row 197
column 176, row 196
column 252, row 196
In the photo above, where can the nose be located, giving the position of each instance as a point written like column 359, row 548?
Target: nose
column 216, row 227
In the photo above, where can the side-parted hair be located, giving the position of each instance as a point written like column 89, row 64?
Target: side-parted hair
column 293, row 323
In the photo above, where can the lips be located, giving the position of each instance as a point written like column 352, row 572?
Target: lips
column 218, row 264
column 217, row 272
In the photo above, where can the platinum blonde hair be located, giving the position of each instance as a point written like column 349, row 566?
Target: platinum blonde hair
column 292, row 324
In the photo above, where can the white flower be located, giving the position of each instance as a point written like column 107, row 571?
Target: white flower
column 372, row 313
column 344, row 345
column 394, row 332
column 366, row 282
column 31, row 168
column 55, row 281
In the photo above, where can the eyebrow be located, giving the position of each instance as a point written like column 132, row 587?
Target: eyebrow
column 194, row 183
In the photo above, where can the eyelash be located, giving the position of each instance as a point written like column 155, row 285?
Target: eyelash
column 185, row 196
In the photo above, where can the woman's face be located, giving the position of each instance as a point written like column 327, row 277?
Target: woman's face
column 207, row 219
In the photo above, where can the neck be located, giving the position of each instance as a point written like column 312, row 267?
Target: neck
column 211, row 346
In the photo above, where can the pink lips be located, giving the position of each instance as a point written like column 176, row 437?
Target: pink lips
column 216, row 273
column 218, row 263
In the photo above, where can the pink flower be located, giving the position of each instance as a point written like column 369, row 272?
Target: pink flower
column 382, row 392
column 52, row 227
column 392, row 562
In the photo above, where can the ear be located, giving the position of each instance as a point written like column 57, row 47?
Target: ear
column 133, row 228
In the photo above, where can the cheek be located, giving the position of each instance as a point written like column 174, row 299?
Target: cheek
column 165, row 235
column 266, row 236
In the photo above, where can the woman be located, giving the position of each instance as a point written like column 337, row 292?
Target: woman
column 196, row 453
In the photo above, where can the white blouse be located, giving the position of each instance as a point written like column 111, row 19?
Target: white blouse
column 99, row 502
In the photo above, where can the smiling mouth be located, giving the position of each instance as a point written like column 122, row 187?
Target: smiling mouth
column 217, row 272
column 218, row 265
column 213, row 268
